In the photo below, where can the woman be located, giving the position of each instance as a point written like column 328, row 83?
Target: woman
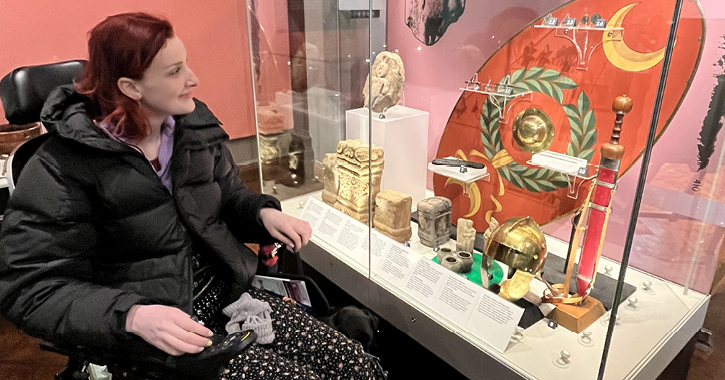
column 130, row 219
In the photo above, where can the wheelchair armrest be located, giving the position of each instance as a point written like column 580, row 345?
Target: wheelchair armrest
column 149, row 362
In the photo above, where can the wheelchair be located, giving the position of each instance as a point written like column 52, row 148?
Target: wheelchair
column 23, row 93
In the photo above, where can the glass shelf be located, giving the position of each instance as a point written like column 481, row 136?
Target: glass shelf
column 465, row 179
column 571, row 178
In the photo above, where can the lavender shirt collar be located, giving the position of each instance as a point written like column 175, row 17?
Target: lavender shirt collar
column 166, row 149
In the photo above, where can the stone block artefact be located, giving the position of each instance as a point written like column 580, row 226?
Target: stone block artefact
column 392, row 214
column 434, row 221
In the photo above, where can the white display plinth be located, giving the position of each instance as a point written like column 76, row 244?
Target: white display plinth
column 403, row 135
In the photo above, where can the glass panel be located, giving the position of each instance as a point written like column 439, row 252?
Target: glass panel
column 522, row 94
column 311, row 60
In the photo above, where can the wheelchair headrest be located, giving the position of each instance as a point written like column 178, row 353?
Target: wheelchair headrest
column 25, row 89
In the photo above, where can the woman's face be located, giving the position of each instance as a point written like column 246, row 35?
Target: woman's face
column 166, row 85
column 382, row 69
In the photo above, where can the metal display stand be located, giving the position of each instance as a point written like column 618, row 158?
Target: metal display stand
column 502, row 94
column 579, row 36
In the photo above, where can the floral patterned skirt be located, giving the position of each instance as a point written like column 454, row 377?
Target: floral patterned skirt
column 303, row 348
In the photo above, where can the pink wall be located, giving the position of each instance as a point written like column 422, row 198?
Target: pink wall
column 215, row 35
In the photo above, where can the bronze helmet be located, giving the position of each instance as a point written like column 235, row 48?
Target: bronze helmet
column 518, row 243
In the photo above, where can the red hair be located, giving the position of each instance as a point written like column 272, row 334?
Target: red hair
column 122, row 45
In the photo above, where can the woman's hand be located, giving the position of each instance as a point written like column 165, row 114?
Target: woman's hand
column 168, row 329
column 291, row 231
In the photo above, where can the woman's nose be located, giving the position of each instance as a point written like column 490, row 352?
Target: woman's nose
column 192, row 81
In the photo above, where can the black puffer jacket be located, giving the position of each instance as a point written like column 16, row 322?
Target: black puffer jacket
column 91, row 230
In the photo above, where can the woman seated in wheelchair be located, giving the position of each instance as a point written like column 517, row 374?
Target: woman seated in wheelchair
column 127, row 226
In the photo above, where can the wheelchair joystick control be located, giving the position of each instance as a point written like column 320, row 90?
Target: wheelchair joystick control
column 209, row 362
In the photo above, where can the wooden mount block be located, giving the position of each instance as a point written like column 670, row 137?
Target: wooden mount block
column 577, row 318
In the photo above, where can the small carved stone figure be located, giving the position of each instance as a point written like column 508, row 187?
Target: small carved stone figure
column 357, row 167
column 331, row 178
column 392, row 214
column 388, row 82
column 487, row 261
column 434, row 219
column 466, row 235
column 429, row 19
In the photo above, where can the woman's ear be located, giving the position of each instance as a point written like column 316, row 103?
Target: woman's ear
column 129, row 88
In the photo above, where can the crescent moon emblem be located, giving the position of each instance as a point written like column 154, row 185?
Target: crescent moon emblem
column 473, row 193
column 621, row 55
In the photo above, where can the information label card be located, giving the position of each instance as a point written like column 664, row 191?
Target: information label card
column 465, row 304
column 347, row 236
column 474, row 309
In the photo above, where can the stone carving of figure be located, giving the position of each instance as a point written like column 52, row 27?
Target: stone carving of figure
column 487, row 261
column 429, row 19
column 386, row 86
column 466, row 235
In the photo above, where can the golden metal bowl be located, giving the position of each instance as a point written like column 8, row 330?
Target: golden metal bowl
column 533, row 130
column 518, row 243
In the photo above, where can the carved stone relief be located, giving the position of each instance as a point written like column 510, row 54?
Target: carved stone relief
column 388, row 82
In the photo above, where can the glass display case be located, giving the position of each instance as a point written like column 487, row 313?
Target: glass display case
column 458, row 162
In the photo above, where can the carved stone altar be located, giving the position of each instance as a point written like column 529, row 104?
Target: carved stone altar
column 358, row 164
column 434, row 219
column 392, row 214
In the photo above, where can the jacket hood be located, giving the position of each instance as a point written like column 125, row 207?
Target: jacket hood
column 70, row 115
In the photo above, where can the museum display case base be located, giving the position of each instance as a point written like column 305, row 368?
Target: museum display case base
column 647, row 338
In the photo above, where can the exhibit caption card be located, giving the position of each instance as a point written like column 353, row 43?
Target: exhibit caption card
column 347, row 237
column 473, row 309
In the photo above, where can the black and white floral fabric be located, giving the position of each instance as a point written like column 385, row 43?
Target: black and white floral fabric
column 303, row 348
